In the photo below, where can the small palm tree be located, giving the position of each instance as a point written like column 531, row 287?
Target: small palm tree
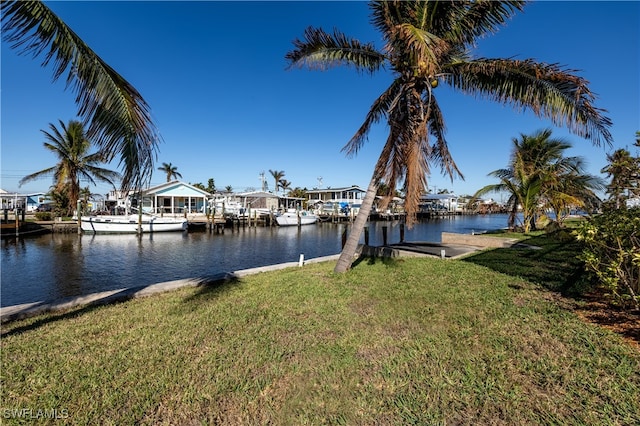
column 539, row 174
column 624, row 171
column 277, row 176
column 71, row 146
column 211, row 186
column 85, row 196
column 284, row 184
column 118, row 118
column 170, row 170
column 428, row 43
column 573, row 188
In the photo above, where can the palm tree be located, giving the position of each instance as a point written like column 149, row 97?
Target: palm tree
column 624, row 171
column 277, row 176
column 170, row 170
column 573, row 189
column 428, row 43
column 118, row 118
column 211, row 186
column 85, row 195
column 539, row 174
column 71, row 146
column 298, row 192
column 284, row 184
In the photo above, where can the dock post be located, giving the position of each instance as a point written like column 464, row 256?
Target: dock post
column 402, row 232
column 344, row 236
column 366, row 235
column 384, row 235
column 79, row 213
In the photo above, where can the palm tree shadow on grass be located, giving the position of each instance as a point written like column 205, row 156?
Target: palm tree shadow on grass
column 371, row 260
column 208, row 288
column 545, row 260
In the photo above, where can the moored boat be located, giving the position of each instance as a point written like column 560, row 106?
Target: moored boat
column 130, row 224
column 293, row 217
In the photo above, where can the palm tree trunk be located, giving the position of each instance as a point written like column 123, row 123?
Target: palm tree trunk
column 349, row 250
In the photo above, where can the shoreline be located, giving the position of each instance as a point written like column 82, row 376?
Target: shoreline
column 27, row 310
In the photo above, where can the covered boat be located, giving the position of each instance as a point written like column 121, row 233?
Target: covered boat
column 294, row 217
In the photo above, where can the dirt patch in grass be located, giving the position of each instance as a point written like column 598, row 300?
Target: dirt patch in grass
column 597, row 309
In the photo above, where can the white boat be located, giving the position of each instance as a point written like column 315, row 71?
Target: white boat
column 129, row 224
column 293, row 217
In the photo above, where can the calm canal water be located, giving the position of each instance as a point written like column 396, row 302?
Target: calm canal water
column 54, row 266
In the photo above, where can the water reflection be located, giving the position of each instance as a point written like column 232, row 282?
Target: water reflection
column 52, row 266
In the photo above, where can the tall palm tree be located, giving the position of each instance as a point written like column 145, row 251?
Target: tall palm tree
column 71, row 146
column 277, row 176
column 117, row 118
column 170, row 170
column 428, row 43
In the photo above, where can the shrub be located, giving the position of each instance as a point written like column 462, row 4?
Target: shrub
column 43, row 215
column 612, row 252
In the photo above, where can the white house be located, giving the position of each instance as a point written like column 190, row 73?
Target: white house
column 27, row 201
column 337, row 199
column 438, row 202
column 176, row 198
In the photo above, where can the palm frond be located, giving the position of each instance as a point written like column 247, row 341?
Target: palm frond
column 37, row 175
column 378, row 110
column 321, row 50
column 546, row 89
column 439, row 151
column 477, row 19
column 118, row 118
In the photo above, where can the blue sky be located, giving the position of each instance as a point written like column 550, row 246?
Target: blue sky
column 227, row 108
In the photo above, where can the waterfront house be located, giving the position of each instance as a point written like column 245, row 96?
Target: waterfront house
column 174, row 198
column 29, row 202
column 438, row 203
column 116, row 202
column 337, row 199
column 261, row 201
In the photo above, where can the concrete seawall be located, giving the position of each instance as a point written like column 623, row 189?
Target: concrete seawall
column 16, row 312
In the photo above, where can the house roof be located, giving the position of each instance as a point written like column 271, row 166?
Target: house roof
column 328, row 190
column 258, row 194
column 177, row 189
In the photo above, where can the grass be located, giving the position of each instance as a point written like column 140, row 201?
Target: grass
column 407, row 341
column 550, row 262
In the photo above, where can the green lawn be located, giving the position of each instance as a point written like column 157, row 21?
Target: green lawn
column 408, row 341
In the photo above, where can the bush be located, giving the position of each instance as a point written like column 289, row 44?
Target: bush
column 612, row 252
column 43, row 215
